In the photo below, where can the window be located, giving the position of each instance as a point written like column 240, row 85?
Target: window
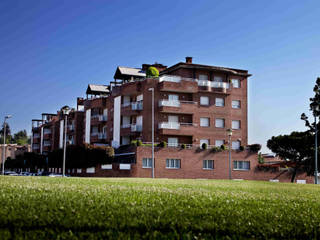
column 219, row 102
column 204, row 122
column 202, row 141
column 208, row 164
column 235, row 145
column 235, row 103
column 203, row 77
column 241, row 165
column 147, row 163
column 218, row 79
column 218, row 143
column 125, row 140
column 172, row 142
column 173, row 163
column 235, row 83
column 220, row 123
column 139, row 97
column 235, row 124
column 173, row 97
column 204, row 100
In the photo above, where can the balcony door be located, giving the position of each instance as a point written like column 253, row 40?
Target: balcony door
column 173, row 97
column 173, row 122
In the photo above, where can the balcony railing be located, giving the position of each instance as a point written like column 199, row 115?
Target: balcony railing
column 126, row 104
column 128, row 125
column 103, row 118
column 169, row 103
column 36, row 135
column 137, row 105
column 93, row 134
column 46, row 144
column 169, row 125
column 35, row 146
column 136, row 128
column 202, row 83
column 71, row 127
column 102, row 135
column 95, row 116
column 46, row 131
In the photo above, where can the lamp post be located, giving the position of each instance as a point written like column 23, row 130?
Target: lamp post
column 65, row 110
column 4, row 141
column 229, row 131
column 152, row 129
column 315, row 110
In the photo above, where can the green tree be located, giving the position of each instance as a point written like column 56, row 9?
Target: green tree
column 8, row 133
column 21, row 137
column 152, row 72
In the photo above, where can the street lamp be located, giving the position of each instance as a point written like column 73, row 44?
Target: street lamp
column 229, row 131
column 4, row 142
column 152, row 129
column 315, row 109
column 65, row 110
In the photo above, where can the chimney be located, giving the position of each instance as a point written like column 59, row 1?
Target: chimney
column 189, row 60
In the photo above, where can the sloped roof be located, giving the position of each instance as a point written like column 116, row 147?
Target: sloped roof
column 128, row 71
column 97, row 89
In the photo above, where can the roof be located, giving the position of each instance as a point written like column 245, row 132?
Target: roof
column 207, row 67
column 97, row 89
column 128, row 71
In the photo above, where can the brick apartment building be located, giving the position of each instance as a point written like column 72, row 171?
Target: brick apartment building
column 194, row 104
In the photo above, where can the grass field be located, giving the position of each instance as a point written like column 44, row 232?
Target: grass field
column 72, row 208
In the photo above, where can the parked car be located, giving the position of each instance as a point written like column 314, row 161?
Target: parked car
column 54, row 175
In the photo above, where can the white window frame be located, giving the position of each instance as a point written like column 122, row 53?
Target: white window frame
column 239, row 165
column 172, row 143
column 204, row 119
column 173, row 163
column 235, row 83
column 236, row 104
column 219, row 103
column 205, row 164
column 218, row 120
column 235, row 124
column 217, row 142
column 204, row 100
column 146, row 162
column 235, row 145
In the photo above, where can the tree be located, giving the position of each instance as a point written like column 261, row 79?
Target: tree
column 21, row 137
column 8, row 133
column 298, row 147
column 152, row 72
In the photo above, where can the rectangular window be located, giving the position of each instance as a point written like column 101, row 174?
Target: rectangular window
column 208, row 164
column 203, row 77
column 236, row 124
column 218, row 79
column 204, row 100
column 147, row 163
column 235, row 145
column 220, row 102
column 235, row 83
column 140, row 98
column 235, row 103
column 173, row 163
column 204, row 122
column 220, row 123
column 173, row 142
column 241, row 165
column 218, row 143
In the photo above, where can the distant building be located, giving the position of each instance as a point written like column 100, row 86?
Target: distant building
column 13, row 150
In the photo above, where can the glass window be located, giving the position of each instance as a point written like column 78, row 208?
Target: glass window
column 172, row 142
column 219, row 102
column 235, row 103
column 218, row 143
column 220, row 123
column 204, row 100
column 173, row 163
column 235, row 124
column 218, row 79
column 208, row 164
column 235, row 83
column 235, row 145
column 241, row 165
column 147, row 163
column 203, row 77
column 202, row 141
column 204, row 122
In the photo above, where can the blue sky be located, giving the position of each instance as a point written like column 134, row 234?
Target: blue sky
column 51, row 50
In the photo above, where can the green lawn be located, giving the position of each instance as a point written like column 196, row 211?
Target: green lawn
column 93, row 208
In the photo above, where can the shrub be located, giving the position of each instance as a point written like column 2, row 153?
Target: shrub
column 215, row 149
column 139, row 143
column 223, row 147
column 204, row 146
column 152, row 72
column 255, row 147
column 260, row 158
column 183, row 146
column 163, row 144
column 241, row 148
column 134, row 142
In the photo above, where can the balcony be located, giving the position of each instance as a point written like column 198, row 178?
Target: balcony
column 35, row 146
column 212, row 86
column 127, row 125
column 137, row 106
column 36, row 135
column 176, row 128
column 102, row 135
column 103, row 118
column 136, row 128
column 172, row 83
column 46, row 131
column 126, row 104
column 176, row 106
column 46, row 143
column 71, row 127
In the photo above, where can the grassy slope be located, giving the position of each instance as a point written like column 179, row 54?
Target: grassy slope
column 48, row 208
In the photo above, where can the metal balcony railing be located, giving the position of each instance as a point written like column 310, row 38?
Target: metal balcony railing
column 36, row 135
column 128, row 125
column 35, row 146
column 103, row 118
column 126, row 104
column 169, row 125
column 46, row 144
column 71, row 127
column 136, row 128
column 169, row 103
column 46, row 131
column 102, row 135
